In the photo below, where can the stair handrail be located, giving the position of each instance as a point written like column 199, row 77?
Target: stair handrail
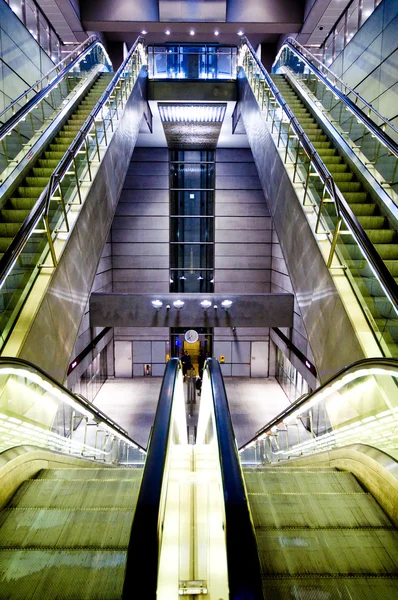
column 78, row 399
column 375, row 129
column 40, row 209
column 379, row 362
column 341, row 205
column 244, row 571
column 58, row 67
column 20, row 114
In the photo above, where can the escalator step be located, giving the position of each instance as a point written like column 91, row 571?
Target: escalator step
column 13, row 216
column 21, row 203
column 30, row 192
column 367, row 209
column 369, row 223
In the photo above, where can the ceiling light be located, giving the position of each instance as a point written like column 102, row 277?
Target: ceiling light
column 192, row 113
column 157, row 304
column 205, row 304
column 226, row 304
column 182, row 277
column 240, row 32
column 178, row 304
column 171, row 280
column 200, row 278
column 167, row 32
column 212, row 280
column 191, row 32
column 144, row 32
column 216, row 32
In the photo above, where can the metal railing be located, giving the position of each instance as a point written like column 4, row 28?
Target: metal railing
column 74, row 170
column 320, row 192
column 37, row 410
column 357, row 405
column 372, row 136
column 25, row 124
column 46, row 79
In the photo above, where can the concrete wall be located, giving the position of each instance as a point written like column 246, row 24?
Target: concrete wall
column 243, row 249
column 369, row 63
column 140, row 230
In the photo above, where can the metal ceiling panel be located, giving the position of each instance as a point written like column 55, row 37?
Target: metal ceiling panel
column 188, row 10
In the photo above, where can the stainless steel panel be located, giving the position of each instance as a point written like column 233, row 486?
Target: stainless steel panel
column 330, row 333
column 247, row 310
column 58, row 317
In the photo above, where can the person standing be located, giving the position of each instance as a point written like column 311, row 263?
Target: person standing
column 186, row 363
column 201, row 363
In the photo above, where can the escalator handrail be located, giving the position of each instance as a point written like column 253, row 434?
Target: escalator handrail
column 341, row 205
column 24, row 110
column 244, row 572
column 302, row 51
column 87, row 42
column 100, row 417
column 304, row 399
column 142, row 562
column 41, row 206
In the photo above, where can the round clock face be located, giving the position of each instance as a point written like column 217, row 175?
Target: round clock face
column 191, row 336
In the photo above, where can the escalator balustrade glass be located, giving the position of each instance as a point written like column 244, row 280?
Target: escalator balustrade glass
column 357, row 406
column 372, row 137
column 355, row 232
column 30, row 117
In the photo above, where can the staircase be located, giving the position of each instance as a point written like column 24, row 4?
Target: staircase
column 320, row 535
column 380, row 231
column 18, row 207
column 65, row 534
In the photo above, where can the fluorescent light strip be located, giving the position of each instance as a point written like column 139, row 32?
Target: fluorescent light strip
column 192, row 113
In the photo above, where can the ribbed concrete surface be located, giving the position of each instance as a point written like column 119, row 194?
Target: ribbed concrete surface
column 65, row 534
column 321, row 536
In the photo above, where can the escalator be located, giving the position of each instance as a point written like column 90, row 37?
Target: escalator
column 53, row 154
column 342, row 159
column 322, row 489
column 72, row 481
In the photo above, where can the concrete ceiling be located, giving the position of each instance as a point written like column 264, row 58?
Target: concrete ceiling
column 263, row 21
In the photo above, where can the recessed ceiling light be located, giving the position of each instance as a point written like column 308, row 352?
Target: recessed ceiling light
column 167, row 32
column 191, row 32
column 240, row 32
column 216, row 32
column 144, row 32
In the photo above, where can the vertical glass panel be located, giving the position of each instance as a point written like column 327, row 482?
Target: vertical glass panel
column 191, row 229
column 192, row 202
column 191, row 175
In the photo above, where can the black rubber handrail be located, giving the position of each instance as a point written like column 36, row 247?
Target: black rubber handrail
column 374, row 129
column 20, row 240
column 342, row 207
column 26, row 108
column 244, row 571
column 363, row 363
column 141, row 576
column 6, row 361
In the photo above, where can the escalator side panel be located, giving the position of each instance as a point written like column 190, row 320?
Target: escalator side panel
column 56, row 323
column 314, row 288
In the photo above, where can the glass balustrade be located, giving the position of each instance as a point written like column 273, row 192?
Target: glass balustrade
column 357, row 406
column 37, row 411
column 25, row 125
column 376, row 154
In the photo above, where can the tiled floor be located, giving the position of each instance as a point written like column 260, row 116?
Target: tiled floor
column 132, row 403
